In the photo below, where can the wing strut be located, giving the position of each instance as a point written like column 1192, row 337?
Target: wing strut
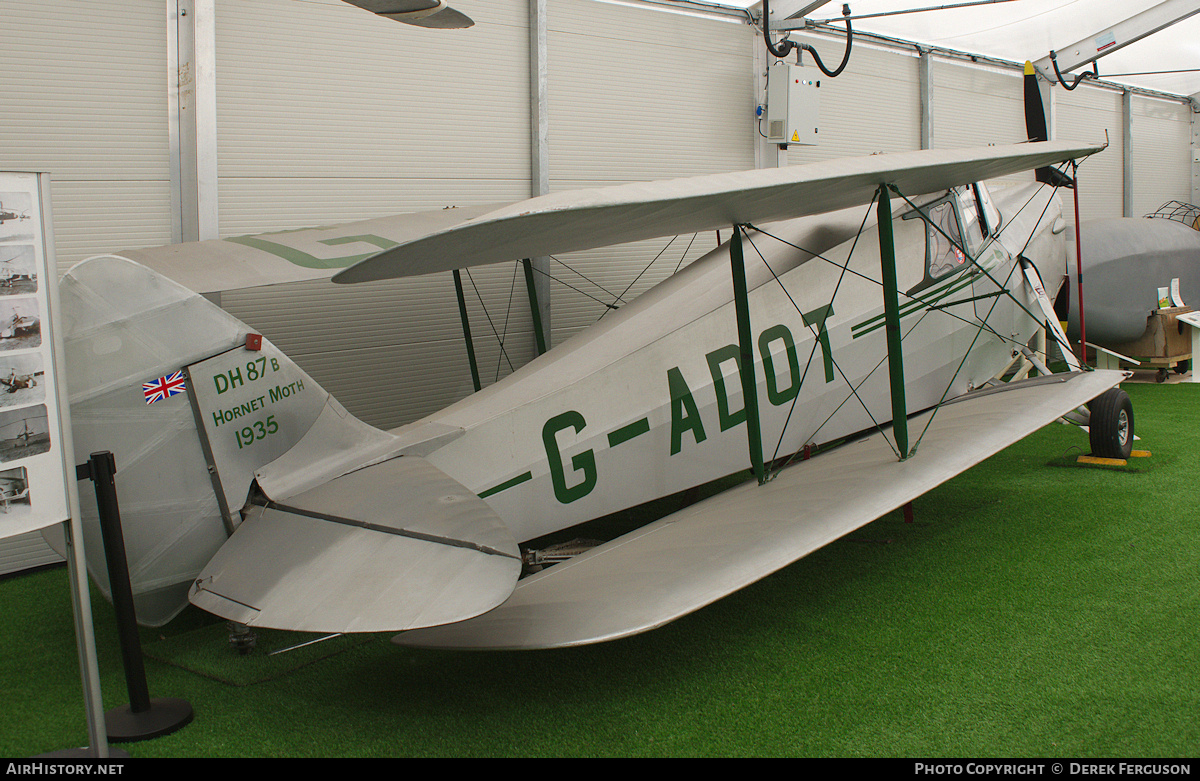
column 466, row 324
column 538, row 331
column 746, row 343
column 891, row 316
column 1035, row 284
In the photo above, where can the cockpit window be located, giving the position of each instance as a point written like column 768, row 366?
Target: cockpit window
column 958, row 223
column 974, row 231
column 943, row 238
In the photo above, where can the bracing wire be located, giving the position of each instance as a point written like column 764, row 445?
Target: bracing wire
column 934, row 305
column 853, row 388
column 642, row 272
column 496, row 333
column 507, row 312
column 501, row 332
column 812, row 353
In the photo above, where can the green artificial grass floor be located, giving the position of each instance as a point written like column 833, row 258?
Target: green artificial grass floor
column 1035, row 608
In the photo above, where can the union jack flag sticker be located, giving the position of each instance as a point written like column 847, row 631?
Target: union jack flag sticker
column 163, row 387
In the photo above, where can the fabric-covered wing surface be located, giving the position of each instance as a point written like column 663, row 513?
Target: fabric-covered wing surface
column 585, row 219
column 689, row 559
column 291, row 256
column 444, row 239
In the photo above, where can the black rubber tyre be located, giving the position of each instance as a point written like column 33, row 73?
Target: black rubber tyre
column 1182, row 367
column 1110, row 429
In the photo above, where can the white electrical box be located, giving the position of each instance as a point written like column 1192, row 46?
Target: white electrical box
column 793, row 104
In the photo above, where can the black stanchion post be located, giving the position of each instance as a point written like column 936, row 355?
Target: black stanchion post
column 142, row 718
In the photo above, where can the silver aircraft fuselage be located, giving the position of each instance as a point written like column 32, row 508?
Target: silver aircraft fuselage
column 648, row 402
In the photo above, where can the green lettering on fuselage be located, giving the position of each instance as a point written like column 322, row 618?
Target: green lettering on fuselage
column 685, row 416
column 774, row 394
column 729, row 352
column 584, row 462
column 817, row 317
column 685, row 412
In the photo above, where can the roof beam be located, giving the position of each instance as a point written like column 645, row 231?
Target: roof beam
column 1118, row 36
column 785, row 10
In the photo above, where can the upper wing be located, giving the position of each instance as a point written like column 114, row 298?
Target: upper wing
column 584, row 219
column 444, row 239
column 698, row 555
column 291, row 256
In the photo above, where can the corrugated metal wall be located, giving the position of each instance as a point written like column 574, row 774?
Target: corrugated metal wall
column 1093, row 114
column 976, row 105
column 327, row 113
column 1162, row 153
column 83, row 96
column 637, row 94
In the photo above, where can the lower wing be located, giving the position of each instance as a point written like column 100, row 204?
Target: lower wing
column 696, row 556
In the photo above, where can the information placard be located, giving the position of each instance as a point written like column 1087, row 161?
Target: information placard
column 33, row 472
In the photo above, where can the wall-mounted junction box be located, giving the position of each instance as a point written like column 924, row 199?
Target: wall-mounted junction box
column 793, row 104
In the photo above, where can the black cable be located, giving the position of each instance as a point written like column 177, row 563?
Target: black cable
column 786, row 46
column 1079, row 78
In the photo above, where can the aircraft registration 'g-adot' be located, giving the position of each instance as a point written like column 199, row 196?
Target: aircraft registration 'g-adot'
column 869, row 301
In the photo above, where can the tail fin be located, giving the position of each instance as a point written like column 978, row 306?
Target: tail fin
column 347, row 536
column 129, row 331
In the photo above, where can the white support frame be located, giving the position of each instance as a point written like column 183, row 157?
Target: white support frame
column 1195, row 148
column 539, row 162
column 1192, row 319
column 1115, row 37
column 1127, row 153
column 925, row 75
column 192, row 118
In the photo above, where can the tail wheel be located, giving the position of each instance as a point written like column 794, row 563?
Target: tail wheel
column 1110, row 429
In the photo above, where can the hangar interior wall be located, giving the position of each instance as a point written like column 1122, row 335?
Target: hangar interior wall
column 326, row 114
column 370, row 118
column 92, row 113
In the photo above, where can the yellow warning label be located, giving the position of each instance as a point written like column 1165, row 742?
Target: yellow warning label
column 795, row 135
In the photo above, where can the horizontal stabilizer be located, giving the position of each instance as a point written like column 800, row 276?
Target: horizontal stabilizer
column 692, row 558
column 291, row 256
column 585, row 219
column 393, row 546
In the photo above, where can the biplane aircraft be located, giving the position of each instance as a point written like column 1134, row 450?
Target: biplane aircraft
column 14, row 488
column 19, row 325
column 6, row 214
column 15, row 382
column 871, row 302
column 864, row 309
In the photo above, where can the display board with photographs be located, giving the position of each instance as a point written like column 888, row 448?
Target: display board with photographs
column 33, row 469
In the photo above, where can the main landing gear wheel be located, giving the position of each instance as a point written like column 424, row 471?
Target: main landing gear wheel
column 1110, row 429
